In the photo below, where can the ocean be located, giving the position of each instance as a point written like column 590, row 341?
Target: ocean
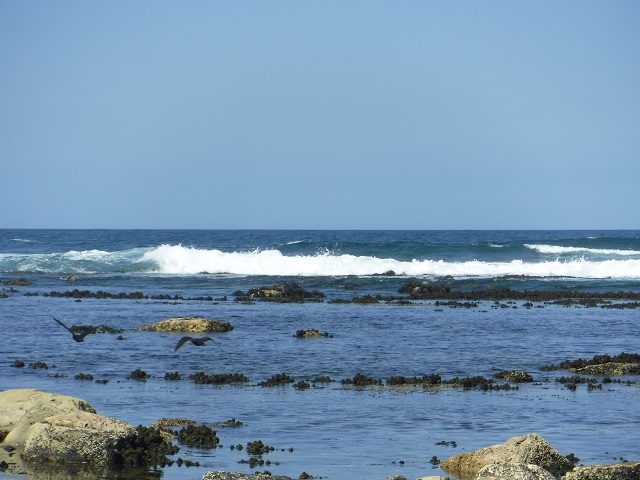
column 331, row 429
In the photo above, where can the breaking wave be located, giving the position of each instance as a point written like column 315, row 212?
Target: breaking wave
column 181, row 260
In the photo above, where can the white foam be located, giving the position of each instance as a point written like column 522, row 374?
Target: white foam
column 179, row 260
column 556, row 249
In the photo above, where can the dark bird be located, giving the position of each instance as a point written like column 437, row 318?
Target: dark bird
column 78, row 337
column 197, row 341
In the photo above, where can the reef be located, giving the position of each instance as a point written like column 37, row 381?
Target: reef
column 424, row 291
column 621, row 364
column 202, row 378
column 277, row 380
column 284, row 293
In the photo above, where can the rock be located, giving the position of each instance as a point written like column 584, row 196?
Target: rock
column 609, row 368
column 77, row 437
column 513, row 471
column 515, row 376
column 312, row 333
column 172, row 422
column 619, row 471
column 21, row 408
column 216, row 475
column 188, row 324
column 433, row 477
column 528, row 449
column 20, row 282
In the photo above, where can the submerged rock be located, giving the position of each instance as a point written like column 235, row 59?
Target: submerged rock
column 527, row 449
column 188, row 324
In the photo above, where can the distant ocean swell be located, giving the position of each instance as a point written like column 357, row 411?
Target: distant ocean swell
column 180, row 260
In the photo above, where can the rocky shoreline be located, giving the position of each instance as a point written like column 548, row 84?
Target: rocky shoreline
column 66, row 437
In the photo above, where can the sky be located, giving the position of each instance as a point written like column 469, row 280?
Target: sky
column 341, row 114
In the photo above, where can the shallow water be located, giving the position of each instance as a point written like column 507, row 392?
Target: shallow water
column 337, row 432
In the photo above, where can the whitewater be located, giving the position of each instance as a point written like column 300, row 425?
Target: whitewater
column 182, row 260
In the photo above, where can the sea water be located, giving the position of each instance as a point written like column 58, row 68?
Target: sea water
column 330, row 430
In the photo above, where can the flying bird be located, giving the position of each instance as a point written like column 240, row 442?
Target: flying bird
column 197, row 341
column 78, row 337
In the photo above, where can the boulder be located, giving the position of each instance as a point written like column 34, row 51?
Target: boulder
column 528, row 449
column 619, row 471
column 76, row 437
column 188, row 324
column 21, row 408
column 513, row 471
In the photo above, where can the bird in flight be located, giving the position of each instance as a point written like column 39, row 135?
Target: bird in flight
column 78, row 337
column 197, row 341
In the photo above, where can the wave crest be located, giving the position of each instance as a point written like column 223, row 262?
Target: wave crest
column 179, row 260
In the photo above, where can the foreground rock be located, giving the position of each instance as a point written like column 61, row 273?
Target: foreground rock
column 188, row 324
column 620, row 471
column 528, row 449
column 21, row 408
column 77, row 437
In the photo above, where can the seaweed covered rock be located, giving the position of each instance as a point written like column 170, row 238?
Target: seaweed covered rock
column 425, row 380
column 621, row 364
column 618, row 471
column 77, row 437
column 514, row 471
column 360, row 380
column 198, row 436
column 515, row 376
column 276, row 380
column 217, row 475
column 312, row 333
column 418, row 291
column 145, row 447
column 284, row 293
column 202, row 378
column 527, row 449
column 21, row 408
column 188, row 324
column 609, row 368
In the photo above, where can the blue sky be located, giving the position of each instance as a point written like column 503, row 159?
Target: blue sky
column 320, row 115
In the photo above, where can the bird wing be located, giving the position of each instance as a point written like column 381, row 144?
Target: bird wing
column 181, row 342
column 62, row 324
column 85, row 332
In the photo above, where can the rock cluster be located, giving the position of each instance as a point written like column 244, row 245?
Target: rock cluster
column 530, row 457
